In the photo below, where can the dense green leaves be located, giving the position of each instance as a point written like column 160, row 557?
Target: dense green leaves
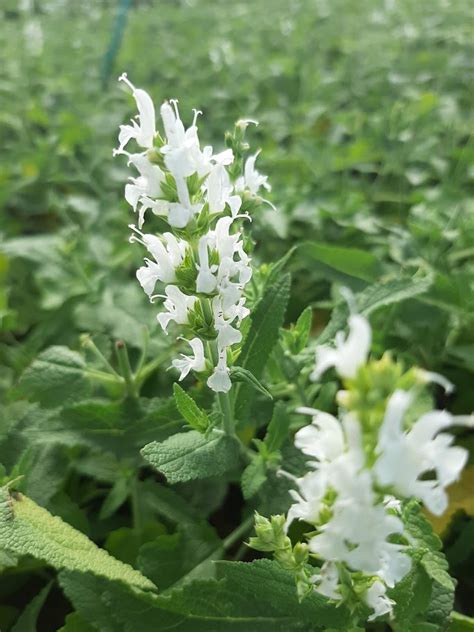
column 258, row 596
column 190, row 455
column 365, row 136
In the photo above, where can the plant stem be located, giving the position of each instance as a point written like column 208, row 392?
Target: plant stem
column 141, row 361
column 301, row 392
column 227, row 413
column 148, row 369
column 235, row 536
column 223, row 399
column 101, row 376
column 125, row 368
column 88, row 343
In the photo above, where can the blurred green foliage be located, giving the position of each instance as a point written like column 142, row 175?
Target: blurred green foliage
column 365, row 114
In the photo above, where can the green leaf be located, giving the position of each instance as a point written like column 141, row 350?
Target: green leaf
column 27, row 529
column 302, row 329
column 124, row 543
column 121, row 428
column 278, row 267
column 253, row 476
column 115, row 498
column 278, row 428
column 75, row 623
column 191, row 455
column 461, row 623
column 44, row 468
column 267, row 318
column 373, row 298
column 255, row 597
column 182, row 556
column 351, row 261
column 432, row 560
column 268, row 589
column 28, row 618
column 55, row 378
column 196, row 418
column 411, row 595
column 166, row 502
column 239, row 374
column 437, row 568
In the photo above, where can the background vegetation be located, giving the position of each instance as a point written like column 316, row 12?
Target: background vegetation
column 365, row 117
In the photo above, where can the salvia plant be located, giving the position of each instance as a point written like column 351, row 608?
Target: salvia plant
column 362, row 467
column 338, row 452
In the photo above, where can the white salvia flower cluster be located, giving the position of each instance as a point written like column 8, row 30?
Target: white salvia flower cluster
column 342, row 495
column 201, row 260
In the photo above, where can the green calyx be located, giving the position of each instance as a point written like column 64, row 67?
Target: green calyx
column 271, row 537
column 201, row 320
column 186, row 273
column 367, row 394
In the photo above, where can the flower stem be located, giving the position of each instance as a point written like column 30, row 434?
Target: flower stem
column 149, row 368
column 88, row 343
column 223, row 399
column 235, row 536
column 125, row 368
column 227, row 413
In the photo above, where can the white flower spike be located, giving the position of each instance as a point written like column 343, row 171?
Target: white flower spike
column 191, row 189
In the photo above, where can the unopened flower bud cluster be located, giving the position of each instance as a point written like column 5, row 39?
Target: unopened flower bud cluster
column 360, row 471
column 200, row 260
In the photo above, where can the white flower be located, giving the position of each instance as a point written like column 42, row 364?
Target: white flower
column 359, row 526
column 179, row 216
column 376, row 598
column 177, row 305
column 357, row 535
column 144, row 131
column 405, row 456
column 327, row 581
column 145, row 186
column 252, row 180
column 436, row 378
column 312, row 488
column 183, row 155
column 226, row 244
column 186, row 363
column 323, row 439
column 220, row 380
column 235, row 310
column 226, row 334
column 167, row 259
column 219, row 191
column 350, row 353
column 206, row 281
